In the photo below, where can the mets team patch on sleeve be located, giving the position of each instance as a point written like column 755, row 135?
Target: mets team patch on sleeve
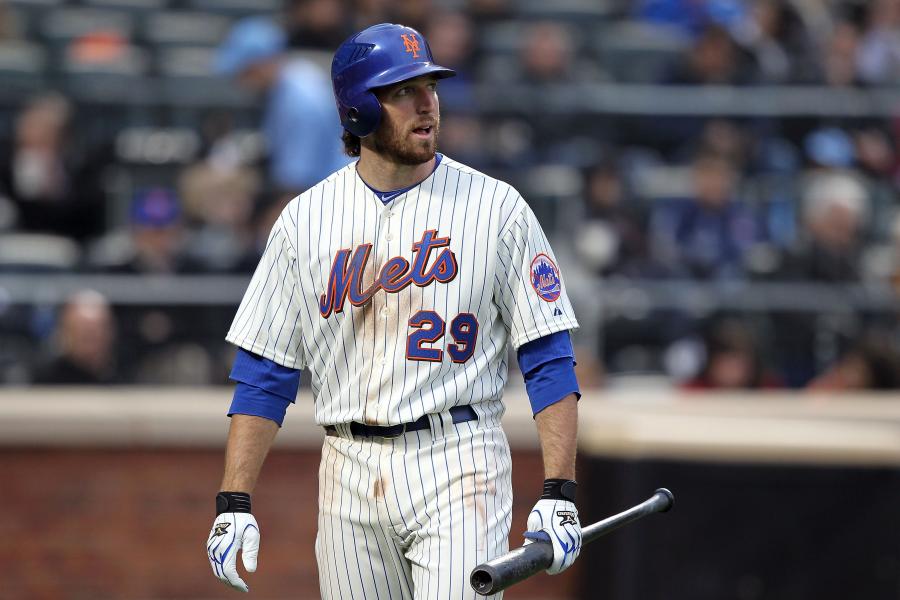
column 545, row 278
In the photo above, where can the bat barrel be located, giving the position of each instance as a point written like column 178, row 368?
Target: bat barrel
column 661, row 501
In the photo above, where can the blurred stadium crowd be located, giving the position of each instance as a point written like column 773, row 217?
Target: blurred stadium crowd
column 720, row 177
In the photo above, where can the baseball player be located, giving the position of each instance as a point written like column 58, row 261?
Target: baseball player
column 398, row 283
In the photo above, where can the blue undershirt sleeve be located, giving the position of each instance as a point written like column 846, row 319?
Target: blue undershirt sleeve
column 264, row 388
column 548, row 365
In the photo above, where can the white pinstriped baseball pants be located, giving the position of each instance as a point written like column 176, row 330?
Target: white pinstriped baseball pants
column 408, row 518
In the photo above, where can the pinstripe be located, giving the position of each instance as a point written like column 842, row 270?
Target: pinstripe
column 248, row 323
column 327, row 387
column 347, row 491
column 331, row 527
column 369, row 521
column 427, row 550
column 275, row 289
column 450, row 519
column 342, row 522
column 461, row 497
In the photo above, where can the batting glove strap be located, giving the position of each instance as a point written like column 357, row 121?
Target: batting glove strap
column 559, row 489
column 556, row 521
column 238, row 502
column 232, row 532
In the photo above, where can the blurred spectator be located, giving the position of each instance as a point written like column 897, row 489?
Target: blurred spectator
column 610, row 236
column 882, row 261
column 835, row 208
column 875, row 151
column 412, row 13
column 463, row 139
column 10, row 28
column 872, row 363
column 731, row 360
column 722, row 137
column 100, row 48
column 220, row 205
column 879, row 49
column 828, row 250
column 153, row 242
column 368, row 12
column 450, row 36
column 489, row 11
column 548, row 56
column 714, row 59
column 53, row 188
column 316, row 24
column 894, row 271
column 771, row 33
column 705, row 236
column 300, row 123
column 84, row 338
column 837, row 68
column 829, row 148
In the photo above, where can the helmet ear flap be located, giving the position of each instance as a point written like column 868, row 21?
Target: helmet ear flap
column 362, row 115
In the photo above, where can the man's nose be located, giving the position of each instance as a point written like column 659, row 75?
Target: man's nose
column 426, row 101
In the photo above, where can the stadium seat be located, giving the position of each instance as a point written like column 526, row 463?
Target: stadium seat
column 65, row 24
column 153, row 145
column 133, row 6
column 638, row 52
column 184, row 28
column 22, row 67
column 502, row 37
column 566, row 10
column 187, row 80
column 37, row 252
column 119, row 78
column 236, row 7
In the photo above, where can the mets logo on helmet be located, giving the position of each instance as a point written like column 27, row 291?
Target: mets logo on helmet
column 545, row 278
column 411, row 43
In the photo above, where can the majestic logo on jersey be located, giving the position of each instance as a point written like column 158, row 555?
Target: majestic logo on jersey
column 345, row 280
column 545, row 278
column 411, row 43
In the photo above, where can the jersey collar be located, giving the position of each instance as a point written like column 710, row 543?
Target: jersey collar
column 386, row 197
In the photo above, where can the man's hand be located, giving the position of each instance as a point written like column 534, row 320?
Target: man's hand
column 233, row 531
column 556, row 521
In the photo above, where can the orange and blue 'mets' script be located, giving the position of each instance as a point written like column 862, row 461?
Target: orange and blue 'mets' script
column 345, row 280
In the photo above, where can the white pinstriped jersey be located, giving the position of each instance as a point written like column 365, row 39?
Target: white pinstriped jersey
column 403, row 309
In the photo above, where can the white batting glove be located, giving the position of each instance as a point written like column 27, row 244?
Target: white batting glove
column 231, row 532
column 556, row 521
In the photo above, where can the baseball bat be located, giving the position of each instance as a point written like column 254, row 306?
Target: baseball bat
column 523, row 562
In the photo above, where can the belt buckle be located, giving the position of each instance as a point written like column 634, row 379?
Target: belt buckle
column 394, row 436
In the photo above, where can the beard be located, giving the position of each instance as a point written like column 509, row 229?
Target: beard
column 400, row 147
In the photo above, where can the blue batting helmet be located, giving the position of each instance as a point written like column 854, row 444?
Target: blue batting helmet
column 380, row 55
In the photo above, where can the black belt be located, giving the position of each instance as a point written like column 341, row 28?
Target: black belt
column 459, row 414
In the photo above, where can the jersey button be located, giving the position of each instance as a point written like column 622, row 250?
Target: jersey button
column 388, row 237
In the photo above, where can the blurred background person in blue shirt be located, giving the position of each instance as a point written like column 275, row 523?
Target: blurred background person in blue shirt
column 300, row 123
